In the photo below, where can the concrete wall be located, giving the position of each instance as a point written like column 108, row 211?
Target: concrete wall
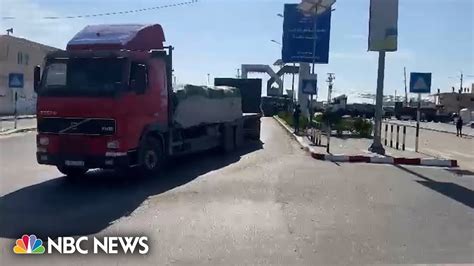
column 453, row 102
column 19, row 56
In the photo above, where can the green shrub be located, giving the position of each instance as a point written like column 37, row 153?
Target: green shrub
column 343, row 125
column 363, row 127
column 288, row 118
column 332, row 117
column 318, row 118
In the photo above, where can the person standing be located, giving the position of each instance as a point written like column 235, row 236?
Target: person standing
column 296, row 118
column 459, row 123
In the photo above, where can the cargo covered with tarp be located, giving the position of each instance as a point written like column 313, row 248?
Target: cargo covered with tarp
column 197, row 105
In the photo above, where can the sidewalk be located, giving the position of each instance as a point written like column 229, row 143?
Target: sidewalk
column 11, row 118
column 24, row 124
column 356, row 150
column 438, row 127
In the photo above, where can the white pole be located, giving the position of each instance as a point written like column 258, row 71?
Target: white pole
column 377, row 146
column 418, row 114
column 315, row 35
column 293, row 87
column 16, row 111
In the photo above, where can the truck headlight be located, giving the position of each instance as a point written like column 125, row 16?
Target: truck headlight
column 43, row 141
column 113, row 144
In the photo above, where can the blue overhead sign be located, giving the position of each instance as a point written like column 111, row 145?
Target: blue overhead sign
column 420, row 82
column 298, row 36
column 15, row 80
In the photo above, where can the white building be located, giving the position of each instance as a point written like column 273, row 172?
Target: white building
column 19, row 56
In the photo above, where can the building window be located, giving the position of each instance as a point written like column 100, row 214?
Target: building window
column 19, row 58
column 26, row 59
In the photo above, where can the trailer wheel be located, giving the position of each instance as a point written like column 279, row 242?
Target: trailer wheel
column 151, row 157
column 72, row 172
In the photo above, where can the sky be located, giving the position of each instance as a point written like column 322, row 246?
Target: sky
column 217, row 36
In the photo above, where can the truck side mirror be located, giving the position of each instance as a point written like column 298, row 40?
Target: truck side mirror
column 138, row 81
column 36, row 78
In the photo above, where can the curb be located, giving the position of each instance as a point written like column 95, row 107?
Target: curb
column 18, row 130
column 11, row 118
column 369, row 159
column 298, row 139
column 385, row 160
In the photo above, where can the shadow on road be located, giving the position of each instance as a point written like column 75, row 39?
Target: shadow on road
column 454, row 191
column 460, row 172
column 59, row 207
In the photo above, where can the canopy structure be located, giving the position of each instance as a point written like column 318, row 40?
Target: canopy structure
column 135, row 37
column 315, row 7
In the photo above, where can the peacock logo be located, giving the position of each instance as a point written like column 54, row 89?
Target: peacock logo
column 29, row 245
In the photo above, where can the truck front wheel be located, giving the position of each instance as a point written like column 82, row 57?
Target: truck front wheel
column 72, row 172
column 151, row 157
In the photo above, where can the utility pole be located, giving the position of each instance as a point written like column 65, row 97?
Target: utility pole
column 238, row 73
column 460, row 83
column 406, row 92
column 377, row 146
column 208, row 79
column 331, row 78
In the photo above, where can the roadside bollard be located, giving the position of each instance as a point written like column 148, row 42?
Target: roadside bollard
column 404, row 136
column 315, row 137
column 398, row 133
column 328, row 138
column 391, row 136
column 386, row 129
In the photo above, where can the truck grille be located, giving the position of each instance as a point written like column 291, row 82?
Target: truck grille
column 73, row 145
column 78, row 126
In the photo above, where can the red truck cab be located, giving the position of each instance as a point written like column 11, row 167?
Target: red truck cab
column 96, row 98
column 107, row 102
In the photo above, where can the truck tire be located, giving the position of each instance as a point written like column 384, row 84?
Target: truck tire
column 72, row 172
column 150, row 157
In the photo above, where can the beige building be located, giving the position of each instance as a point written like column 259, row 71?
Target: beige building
column 452, row 102
column 19, row 55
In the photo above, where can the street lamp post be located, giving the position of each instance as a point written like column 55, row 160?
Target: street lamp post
column 314, row 8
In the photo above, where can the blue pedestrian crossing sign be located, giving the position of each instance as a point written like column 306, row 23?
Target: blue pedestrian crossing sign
column 310, row 85
column 15, row 80
column 420, row 82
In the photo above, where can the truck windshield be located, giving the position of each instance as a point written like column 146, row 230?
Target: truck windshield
column 83, row 77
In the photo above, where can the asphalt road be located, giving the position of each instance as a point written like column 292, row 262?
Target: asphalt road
column 264, row 205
